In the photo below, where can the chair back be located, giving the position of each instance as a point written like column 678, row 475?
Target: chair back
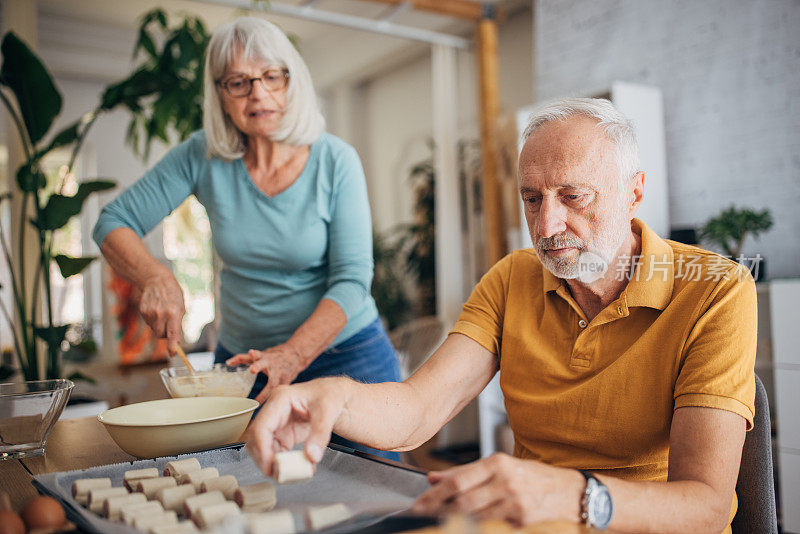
column 755, row 487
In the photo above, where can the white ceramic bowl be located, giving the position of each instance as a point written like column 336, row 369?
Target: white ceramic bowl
column 173, row 426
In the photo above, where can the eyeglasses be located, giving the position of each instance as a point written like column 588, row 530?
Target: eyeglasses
column 241, row 86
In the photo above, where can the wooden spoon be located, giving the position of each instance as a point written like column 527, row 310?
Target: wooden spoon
column 186, row 362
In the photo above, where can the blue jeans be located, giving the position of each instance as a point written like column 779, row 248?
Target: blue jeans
column 366, row 356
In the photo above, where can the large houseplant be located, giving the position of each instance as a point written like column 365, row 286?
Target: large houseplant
column 33, row 102
column 164, row 94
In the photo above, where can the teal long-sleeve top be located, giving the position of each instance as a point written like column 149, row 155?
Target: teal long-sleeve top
column 280, row 254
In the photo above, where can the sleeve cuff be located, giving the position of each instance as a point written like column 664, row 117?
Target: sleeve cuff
column 103, row 228
column 477, row 334
column 705, row 400
column 348, row 295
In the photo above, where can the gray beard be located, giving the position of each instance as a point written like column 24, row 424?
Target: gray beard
column 606, row 246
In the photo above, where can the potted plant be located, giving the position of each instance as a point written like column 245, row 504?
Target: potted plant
column 729, row 229
column 36, row 103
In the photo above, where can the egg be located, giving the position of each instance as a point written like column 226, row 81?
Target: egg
column 11, row 523
column 43, row 512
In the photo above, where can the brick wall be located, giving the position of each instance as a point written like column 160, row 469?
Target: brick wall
column 730, row 74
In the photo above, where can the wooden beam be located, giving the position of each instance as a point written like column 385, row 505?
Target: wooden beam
column 489, row 96
column 463, row 9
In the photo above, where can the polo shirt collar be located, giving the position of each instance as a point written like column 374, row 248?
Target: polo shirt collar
column 652, row 281
column 550, row 281
column 651, row 284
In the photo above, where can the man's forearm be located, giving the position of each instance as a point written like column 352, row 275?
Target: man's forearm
column 385, row 416
column 678, row 506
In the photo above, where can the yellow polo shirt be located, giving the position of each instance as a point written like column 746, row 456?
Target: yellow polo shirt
column 600, row 394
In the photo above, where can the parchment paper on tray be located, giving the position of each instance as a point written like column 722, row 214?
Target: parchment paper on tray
column 372, row 490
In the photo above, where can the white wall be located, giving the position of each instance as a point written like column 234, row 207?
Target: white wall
column 394, row 116
column 730, row 74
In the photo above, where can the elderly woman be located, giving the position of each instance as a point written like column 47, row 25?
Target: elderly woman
column 289, row 218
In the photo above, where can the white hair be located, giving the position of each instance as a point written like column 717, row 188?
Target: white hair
column 254, row 38
column 616, row 127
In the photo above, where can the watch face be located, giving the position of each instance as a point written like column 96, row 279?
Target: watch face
column 601, row 508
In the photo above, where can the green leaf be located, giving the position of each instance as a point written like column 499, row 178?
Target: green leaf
column 70, row 266
column 164, row 94
column 155, row 15
column 52, row 335
column 86, row 345
column 60, row 208
column 128, row 92
column 145, row 42
column 77, row 375
column 39, row 100
column 30, row 178
column 6, row 372
column 80, row 352
column 65, row 137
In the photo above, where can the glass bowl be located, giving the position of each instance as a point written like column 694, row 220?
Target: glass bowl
column 28, row 411
column 218, row 381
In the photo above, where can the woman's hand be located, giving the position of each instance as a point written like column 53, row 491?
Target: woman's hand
column 161, row 305
column 280, row 363
column 294, row 414
column 503, row 487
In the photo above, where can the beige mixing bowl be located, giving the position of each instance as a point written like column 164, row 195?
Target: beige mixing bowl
column 174, row 426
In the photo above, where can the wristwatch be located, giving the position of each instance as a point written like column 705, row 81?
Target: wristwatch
column 597, row 508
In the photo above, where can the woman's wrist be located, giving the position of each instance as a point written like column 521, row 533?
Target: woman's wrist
column 154, row 272
column 299, row 353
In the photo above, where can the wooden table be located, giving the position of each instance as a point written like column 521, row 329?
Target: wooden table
column 73, row 444
column 83, row 443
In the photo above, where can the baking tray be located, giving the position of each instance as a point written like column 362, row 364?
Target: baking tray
column 378, row 491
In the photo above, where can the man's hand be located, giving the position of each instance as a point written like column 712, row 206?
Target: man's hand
column 280, row 363
column 503, row 487
column 296, row 414
column 161, row 305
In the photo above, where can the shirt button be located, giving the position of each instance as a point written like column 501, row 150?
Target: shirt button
column 582, row 323
column 619, row 310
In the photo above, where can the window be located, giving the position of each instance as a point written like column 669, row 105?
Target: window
column 187, row 244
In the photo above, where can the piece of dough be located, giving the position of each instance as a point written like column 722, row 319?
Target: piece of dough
column 182, row 527
column 99, row 495
column 128, row 512
column 81, row 487
column 177, row 468
column 274, row 522
column 130, row 477
column 320, row 517
column 208, row 516
column 149, row 486
column 174, row 497
column 256, row 497
column 147, row 521
column 112, row 505
column 292, row 466
column 196, row 477
column 192, row 504
column 227, row 484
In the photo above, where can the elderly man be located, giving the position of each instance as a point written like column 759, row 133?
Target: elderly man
column 626, row 361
